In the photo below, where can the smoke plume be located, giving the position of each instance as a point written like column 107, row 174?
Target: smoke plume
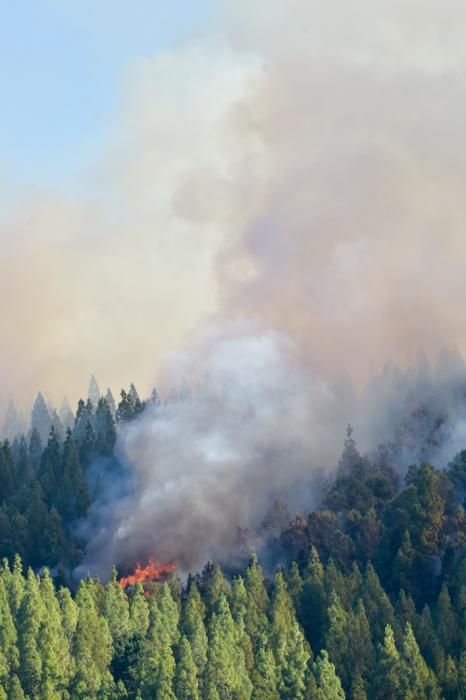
column 316, row 187
column 204, row 469
column 298, row 167
column 207, row 466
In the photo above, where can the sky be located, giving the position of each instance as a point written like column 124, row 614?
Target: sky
column 165, row 168
column 60, row 73
column 66, row 67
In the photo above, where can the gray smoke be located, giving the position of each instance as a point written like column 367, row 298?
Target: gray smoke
column 316, row 188
column 255, row 428
column 258, row 427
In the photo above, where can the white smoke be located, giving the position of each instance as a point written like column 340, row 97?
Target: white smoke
column 256, row 428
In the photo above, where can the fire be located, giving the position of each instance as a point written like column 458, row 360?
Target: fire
column 154, row 571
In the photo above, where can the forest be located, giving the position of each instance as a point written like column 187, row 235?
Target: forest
column 365, row 599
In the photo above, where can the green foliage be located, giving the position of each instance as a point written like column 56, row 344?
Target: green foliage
column 255, row 617
column 92, row 648
column 107, row 642
column 226, row 672
column 264, row 674
column 375, row 587
column 328, row 683
column 193, row 628
column 116, row 608
column 186, row 682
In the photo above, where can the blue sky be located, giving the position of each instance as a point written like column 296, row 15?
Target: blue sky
column 60, row 65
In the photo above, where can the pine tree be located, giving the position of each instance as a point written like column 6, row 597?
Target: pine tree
column 154, row 400
column 361, row 654
column 170, row 614
column 15, row 691
column 38, row 520
column 69, row 612
column 14, row 584
column 313, row 599
column 226, row 669
column 24, row 469
column 105, row 429
column 292, row 684
column 336, row 637
column 462, row 676
column 126, row 410
column 31, row 666
column 405, row 609
column 151, row 649
column 358, row 688
column 30, row 617
column 355, row 583
column 87, row 445
column 165, row 671
column 258, row 601
column 445, row 621
column 378, row 608
column 245, row 644
column 138, row 611
column 115, row 608
column 335, row 582
column 35, row 450
column 295, row 586
column 328, row 683
column 134, row 394
column 287, row 642
column 460, row 608
column 66, row 415
column 110, row 401
column 40, row 418
column 450, row 680
column 53, row 539
column 92, row 649
column 217, row 588
column 93, row 392
column 264, row 674
column 74, row 499
column 50, row 472
column 157, row 661
column 186, row 683
column 193, row 628
column 57, row 425
column 8, row 636
column 239, row 599
column 405, row 564
column 386, row 681
column 53, row 644
column 428, row 641
column 417, row 683
column 7, row 472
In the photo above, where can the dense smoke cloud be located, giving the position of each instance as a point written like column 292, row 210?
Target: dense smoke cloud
column 211, row 463
column 355, row 237
column 300, row 167
column 204, row 470
column 110, row 277
column 317, row 187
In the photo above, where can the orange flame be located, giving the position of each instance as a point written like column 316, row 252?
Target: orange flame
column 154, row 571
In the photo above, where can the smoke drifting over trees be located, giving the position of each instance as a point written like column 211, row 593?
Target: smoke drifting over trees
column 315, row 194
column 206, row 468
column 317, row 187
column 208, row 464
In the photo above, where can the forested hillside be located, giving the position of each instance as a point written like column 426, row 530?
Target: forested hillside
column 46, row 483
column 366, row 599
